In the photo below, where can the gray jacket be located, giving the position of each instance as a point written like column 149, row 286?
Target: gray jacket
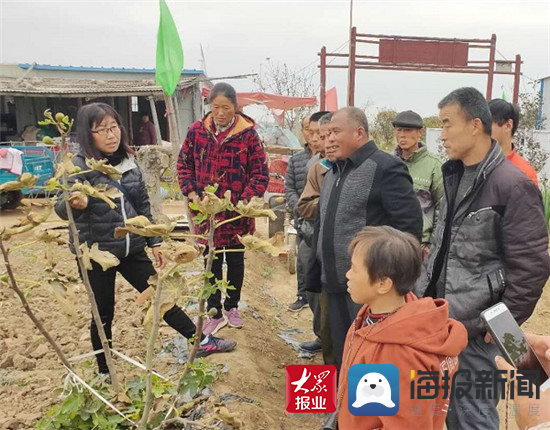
column 295, row 179
column 370, row 188
column 492, row 247
column 97, row 222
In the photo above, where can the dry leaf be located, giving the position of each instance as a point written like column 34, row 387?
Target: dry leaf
column 151, row 230
column 255, row 208
column 184, row 253
column 252, row 243
column 32, row 202
column 66, row 166
column 138, row 221
column 228, row 418
column 99, row 192
column 104, row 258
column 171, row 292
column 50, row 236
column 36, row 218
column 211, row 204
column 26, row 180
column 123, row 398
column 8, row 232
column 25, row 224
column 50, row 256
column 61, row 295
column 104, row 167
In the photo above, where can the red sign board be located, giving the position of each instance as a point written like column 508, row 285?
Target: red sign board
column 311, row 388
column 394, row 51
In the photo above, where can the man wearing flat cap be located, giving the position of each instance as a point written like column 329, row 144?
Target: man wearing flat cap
column 424, row 167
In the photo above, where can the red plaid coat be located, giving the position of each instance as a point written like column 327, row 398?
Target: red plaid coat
column 237, row 164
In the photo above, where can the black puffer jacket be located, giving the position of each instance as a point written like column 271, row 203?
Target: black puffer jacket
column 295, row 179
column 97, row 222
column 492, row 247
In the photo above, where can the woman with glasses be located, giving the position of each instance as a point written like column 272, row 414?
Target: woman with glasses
column 224, row 149
column 101, row 135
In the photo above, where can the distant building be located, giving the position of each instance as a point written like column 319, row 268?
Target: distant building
column 26, row 90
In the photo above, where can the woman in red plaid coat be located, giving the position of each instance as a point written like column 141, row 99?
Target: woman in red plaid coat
column 224, row 149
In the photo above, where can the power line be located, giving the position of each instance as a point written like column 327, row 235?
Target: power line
column 315, row 61
column 338, row 50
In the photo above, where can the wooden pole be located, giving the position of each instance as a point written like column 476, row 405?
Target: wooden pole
column 351, row 66
column 155, row 118
column 130, row 122
column 517, row 77
column 491, row 66
column 323, row 77
column 177, row 116
column 172, row 123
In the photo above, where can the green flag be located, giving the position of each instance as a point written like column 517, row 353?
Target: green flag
column 503, row 95
column 169, row 52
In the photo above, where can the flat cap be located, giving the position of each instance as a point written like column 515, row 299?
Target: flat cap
column 408, row 119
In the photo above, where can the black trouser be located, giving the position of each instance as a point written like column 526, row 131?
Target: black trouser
column 235, row 277
column 136, row 269
column 342, row 312
column 302, row 251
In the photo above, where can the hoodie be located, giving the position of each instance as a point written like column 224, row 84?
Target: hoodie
column 419, row 336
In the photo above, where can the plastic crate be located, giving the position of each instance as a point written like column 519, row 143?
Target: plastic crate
column 37, row 160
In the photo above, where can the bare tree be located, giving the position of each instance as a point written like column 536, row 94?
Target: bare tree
column 283, row 80
column 524, row 141
column 382, row 129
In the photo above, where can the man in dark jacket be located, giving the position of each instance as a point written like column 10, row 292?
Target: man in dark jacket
column 295, row 181
column 490, row 243
column 365, row 187
column 147, row 134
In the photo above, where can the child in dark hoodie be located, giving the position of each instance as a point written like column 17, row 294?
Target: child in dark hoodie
column 395, row 327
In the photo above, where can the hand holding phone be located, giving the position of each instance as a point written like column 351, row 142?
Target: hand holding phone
column 512, row 343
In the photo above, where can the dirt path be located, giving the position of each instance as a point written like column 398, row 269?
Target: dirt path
column 30, row 373
column 31, row 376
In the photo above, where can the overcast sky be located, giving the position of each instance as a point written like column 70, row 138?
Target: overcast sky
column 237, row 36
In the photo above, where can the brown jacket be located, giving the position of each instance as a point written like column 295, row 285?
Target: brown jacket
column 309, row 200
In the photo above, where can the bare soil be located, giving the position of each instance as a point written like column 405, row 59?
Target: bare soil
column 31, row 375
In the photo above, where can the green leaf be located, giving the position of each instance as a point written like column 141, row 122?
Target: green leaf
column 211, row 188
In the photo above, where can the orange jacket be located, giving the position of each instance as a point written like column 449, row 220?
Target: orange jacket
column 419, row 336
column 523, row 165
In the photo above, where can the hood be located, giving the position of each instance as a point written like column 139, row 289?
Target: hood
column 422, row 324
column 126, row 164
column 243, row 123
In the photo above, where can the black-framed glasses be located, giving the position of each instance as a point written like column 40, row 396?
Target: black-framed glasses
column 104, row 131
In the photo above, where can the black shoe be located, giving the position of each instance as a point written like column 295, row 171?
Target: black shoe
column 299, row 304
column 311, row 346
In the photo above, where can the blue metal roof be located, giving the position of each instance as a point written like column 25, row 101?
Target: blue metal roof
column 101, row 69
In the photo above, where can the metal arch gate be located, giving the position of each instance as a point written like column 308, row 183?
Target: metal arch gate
column 428, row 54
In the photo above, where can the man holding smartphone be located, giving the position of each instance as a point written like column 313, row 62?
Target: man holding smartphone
column 490, row 243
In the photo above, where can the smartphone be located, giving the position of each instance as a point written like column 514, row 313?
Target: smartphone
column 512, row 343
